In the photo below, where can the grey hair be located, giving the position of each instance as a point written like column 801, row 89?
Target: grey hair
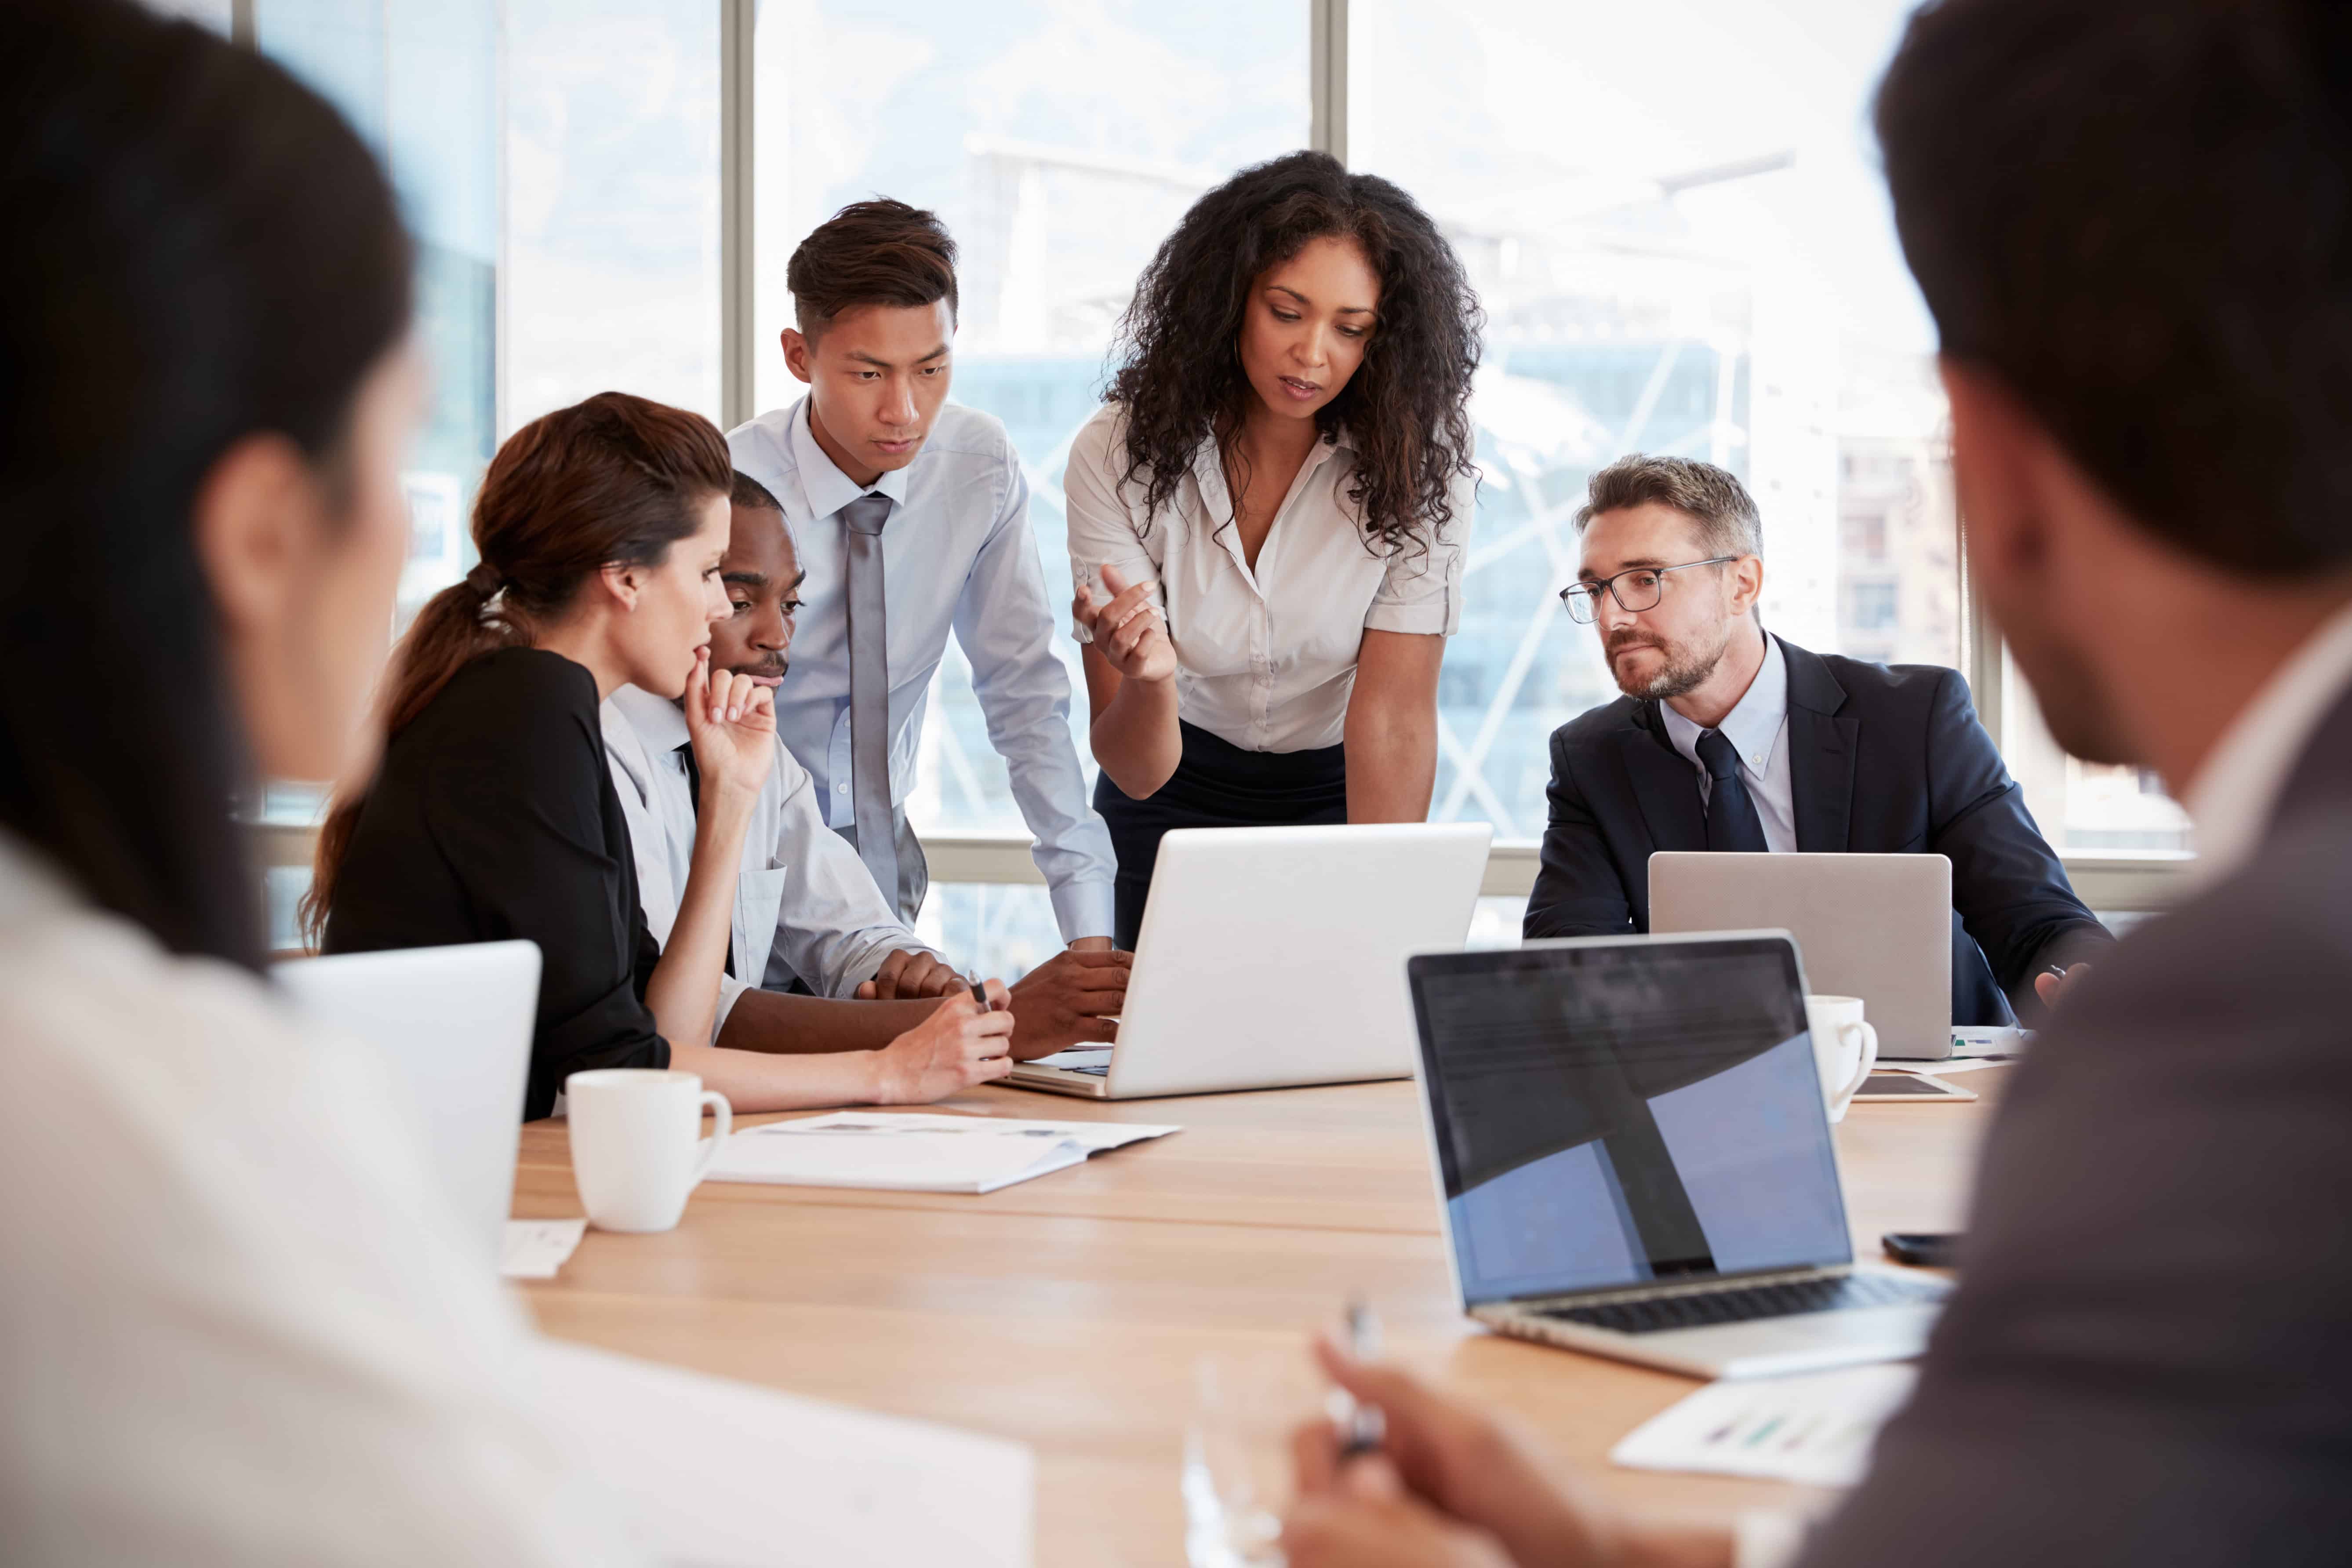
column 1710, row 497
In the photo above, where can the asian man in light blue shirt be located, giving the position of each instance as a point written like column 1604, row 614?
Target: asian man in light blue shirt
column 912, row 517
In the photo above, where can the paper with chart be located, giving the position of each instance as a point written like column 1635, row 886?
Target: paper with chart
column 1816, row 1428
column 715, row 1474
column 917, row 1154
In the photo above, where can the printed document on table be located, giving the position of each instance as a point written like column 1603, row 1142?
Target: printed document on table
column 917, row 1154
column 536, row 1249
column 710, row 1473
column 1816, row 1428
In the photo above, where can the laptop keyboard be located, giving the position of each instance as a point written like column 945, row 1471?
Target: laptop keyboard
column 1836, row 1293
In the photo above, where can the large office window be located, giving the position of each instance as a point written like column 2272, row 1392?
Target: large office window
column 2087, row 808
column 217, row 14
column 558, row 163
column 613, row 226
column 1672, row 212
column 1060, row 140
column 420, row 80
column 1673, row 216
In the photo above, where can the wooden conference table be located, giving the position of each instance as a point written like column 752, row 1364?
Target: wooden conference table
column 1069, row 1312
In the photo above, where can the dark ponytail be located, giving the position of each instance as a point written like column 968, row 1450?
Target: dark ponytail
column 611, row 481
column 199, row 249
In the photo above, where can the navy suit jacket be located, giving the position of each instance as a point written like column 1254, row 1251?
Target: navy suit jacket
column 1882, row 760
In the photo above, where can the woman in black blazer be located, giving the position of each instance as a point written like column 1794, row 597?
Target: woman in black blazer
column 600, row 529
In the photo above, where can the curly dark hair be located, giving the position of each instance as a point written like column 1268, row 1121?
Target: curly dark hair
column 1406, row 408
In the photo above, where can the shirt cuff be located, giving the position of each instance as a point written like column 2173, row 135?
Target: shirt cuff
column 1767, row 1539
column 730, row 988
column 1431, row 618
column 1084, row 909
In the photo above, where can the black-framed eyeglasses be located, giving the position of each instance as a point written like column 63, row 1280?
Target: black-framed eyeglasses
column 1635, row 591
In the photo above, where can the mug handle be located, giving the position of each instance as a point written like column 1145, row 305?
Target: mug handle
column 1868, row 1059
column 726, row 1115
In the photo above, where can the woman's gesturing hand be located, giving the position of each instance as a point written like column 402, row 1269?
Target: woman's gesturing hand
column 1127, row 630
column 957, row 1047
column 731, row 719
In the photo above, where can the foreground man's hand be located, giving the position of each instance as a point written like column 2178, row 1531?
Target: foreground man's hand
column 1367, row 1519
column 2051, row 984
column 1475, row 1473
column 1070, row 999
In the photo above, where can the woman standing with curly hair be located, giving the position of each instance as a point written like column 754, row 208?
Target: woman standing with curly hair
column 1266, row 516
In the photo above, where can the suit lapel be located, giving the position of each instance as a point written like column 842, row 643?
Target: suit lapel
column 1664, row 785
column 1822, row 747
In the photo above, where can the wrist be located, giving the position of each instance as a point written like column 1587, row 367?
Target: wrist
column 1642, row 1543
column 724, row 802
column 881, row 1077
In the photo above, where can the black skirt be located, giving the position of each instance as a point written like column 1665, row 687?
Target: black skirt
column 1217, row 785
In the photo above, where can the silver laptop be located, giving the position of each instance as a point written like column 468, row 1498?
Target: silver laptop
column 1875, row 926
column 1271, row 957
column 1632, row 1158
column 454, row 1024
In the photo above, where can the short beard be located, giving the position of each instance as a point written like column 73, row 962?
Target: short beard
column 1684, row 672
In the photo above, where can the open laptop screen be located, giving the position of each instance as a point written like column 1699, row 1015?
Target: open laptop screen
column 1612, row 1111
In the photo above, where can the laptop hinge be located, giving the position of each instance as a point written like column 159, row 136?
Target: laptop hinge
column 1712, row 1284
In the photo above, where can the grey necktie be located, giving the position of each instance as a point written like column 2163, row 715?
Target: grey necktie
column 869, row 694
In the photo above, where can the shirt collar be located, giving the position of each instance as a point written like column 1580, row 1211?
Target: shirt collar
column 2231, row 800
column 827, row 488
column 1208, row 469
column 1754, row 722
column 658, row 721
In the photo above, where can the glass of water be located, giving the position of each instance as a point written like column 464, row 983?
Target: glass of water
column 1237, row 1481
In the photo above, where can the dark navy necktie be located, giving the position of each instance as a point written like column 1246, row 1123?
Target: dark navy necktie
column 1731, row 819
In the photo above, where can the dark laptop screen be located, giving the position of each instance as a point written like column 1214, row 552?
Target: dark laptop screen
column 1611, row 1113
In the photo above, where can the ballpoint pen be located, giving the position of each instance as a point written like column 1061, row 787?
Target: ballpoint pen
column 1361, row 1427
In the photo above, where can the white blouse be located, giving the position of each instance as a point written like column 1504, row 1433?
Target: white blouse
column 238, row 1323
column 1264, row 659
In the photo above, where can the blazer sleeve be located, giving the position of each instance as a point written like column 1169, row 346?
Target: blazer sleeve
column 517, row 810
column 2145, row 1362
column 1578, row 891
column 2008, row 885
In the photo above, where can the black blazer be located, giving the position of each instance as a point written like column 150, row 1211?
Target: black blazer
column 495, row 817
column 1882, row 760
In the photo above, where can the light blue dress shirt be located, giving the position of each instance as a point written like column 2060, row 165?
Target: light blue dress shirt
column 1758, row 728
column 957, row 554
column 805, row 906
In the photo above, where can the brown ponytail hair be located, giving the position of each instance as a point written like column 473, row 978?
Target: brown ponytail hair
column 614, row 481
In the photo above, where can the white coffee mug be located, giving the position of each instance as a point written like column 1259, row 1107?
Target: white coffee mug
column 636, row 1148
column 1844, row 1048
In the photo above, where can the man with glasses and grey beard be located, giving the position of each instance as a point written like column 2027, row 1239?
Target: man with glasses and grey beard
column 1729, row 737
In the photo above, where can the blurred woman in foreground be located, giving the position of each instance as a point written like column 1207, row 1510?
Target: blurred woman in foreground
column 238, row 1324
